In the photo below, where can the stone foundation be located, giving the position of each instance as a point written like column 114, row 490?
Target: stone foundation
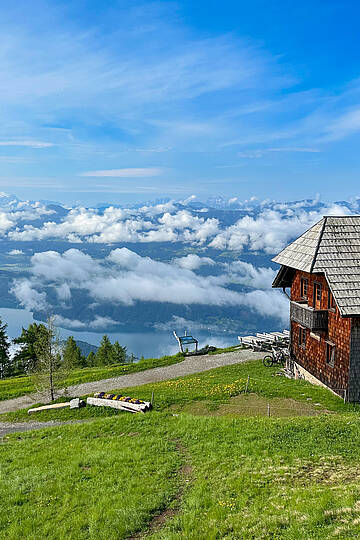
column 301, row 373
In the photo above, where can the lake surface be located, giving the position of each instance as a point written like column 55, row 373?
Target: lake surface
column 149, row 344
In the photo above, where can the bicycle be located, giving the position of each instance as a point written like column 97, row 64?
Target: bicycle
column 277, row 357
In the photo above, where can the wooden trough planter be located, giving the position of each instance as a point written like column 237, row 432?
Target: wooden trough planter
column 122, row 403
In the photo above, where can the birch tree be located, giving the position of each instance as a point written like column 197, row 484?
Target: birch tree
column 49, row 374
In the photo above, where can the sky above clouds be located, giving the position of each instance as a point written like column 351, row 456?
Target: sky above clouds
column 123, row 101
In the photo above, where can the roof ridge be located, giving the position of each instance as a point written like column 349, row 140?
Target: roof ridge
column 298, row 238
column 318, row 244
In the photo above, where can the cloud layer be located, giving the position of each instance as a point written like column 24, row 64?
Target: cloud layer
column 126, row 278
column 254, row 226
column 212, row 274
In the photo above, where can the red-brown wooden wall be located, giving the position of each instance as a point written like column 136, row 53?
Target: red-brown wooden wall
column 313, row 357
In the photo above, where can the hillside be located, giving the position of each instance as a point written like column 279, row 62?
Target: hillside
column 206, row 463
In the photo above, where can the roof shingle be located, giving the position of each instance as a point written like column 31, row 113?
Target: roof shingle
column 332, row 247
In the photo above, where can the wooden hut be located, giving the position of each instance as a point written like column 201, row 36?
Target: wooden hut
column 322, row 270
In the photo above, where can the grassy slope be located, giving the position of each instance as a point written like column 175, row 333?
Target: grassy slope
column 19, row 386
column 264, row 478
column 251, row 478
column 84, row 481
column 213, row 387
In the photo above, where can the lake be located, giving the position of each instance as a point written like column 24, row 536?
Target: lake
column 148, row 344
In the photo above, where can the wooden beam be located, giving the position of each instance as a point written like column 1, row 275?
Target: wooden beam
column 50, row 407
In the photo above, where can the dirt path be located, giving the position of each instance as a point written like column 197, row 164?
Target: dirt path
column 192, row 364
column 159, row 520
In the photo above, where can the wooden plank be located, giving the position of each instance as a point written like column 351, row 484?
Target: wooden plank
column 270, row 336
column 49, row 407
column 264, row 337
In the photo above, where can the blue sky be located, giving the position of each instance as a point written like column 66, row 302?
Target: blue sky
column 127, row 101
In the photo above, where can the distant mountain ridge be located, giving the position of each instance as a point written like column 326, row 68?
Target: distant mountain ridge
column 85, row 347
column 192, row 203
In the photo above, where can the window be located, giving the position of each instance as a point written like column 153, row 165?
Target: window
column 317, row 295
column 302, row 337
column 330, row 354
column 331, row 301
column 304, row 283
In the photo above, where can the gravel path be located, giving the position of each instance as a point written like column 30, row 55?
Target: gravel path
column 191, row 364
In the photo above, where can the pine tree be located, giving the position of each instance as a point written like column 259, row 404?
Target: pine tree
column 119, row 353
column 91, row 359
column 104, row 354
column 72, row 357
column 25, row 359
column 6, row 368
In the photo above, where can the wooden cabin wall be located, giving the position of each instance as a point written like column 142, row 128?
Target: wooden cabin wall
column 354, row 372
column 313, row 356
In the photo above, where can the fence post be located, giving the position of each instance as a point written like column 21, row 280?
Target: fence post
column 268, row 409
column 152, row 398
column 247, row 384
column 344, row 395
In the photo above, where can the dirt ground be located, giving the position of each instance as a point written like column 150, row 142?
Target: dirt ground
column 252, row 405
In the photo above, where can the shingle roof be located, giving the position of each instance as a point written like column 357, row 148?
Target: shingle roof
column 300, row 254
column 331, row 246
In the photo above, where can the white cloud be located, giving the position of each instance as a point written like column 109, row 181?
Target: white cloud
column 28, row 295
column 260, row 152
column 193, row 261
column 6, row 222
column 252, row 276
column 267, row 226
column 160, row 223
column 16, row 252
column 99, row 323
column 294, row 149
column 126, row 278
column 272, row 230
column 343, row 126
column 125, row 173
column 268, row 303
column 180, row 324
column 63, row 291
column 31, row 144
column 136, row 71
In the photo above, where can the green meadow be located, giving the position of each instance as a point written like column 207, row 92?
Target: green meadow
column 207, row 463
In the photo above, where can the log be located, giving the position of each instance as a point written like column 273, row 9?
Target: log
column 121, row 405
column 50, row 407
